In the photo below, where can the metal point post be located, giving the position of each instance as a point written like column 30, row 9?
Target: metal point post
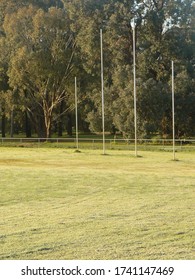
column 173, row 110
column 76, row 115
column 102, row 90
column 134, row 82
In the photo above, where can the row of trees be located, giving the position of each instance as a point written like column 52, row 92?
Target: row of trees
column 44, row 44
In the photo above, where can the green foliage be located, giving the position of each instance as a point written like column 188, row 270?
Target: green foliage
column 42, row 60
column 44, row 44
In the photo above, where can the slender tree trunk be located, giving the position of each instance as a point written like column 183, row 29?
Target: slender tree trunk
column 48, row 128
column 69, row 125
column 27, row 125
column 12, row 123
column 60, row 125
column 3, row 123
column 35, row 122
column 60, row 129
column 39, row 124
column 47, row 111
column 42, row 128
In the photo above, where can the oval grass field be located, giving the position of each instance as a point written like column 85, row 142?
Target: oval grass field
column 58, row 204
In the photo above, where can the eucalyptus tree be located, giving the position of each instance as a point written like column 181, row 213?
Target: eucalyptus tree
column 7, row 49
column 44, row 43
column 162, row 34
column 41, row 63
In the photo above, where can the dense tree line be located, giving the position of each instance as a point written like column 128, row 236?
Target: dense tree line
column 44, row 44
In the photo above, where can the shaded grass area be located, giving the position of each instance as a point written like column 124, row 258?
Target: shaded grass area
column 94, row 142
column 57, row 204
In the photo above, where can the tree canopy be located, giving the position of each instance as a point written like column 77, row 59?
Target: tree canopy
column 44, row 44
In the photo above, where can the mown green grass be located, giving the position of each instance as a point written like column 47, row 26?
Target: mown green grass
column 58, row 204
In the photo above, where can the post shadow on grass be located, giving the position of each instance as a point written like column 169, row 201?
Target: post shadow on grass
column 105, row 154
column 136, row 156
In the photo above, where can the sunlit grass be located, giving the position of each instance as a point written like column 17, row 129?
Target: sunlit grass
column 57, row 204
